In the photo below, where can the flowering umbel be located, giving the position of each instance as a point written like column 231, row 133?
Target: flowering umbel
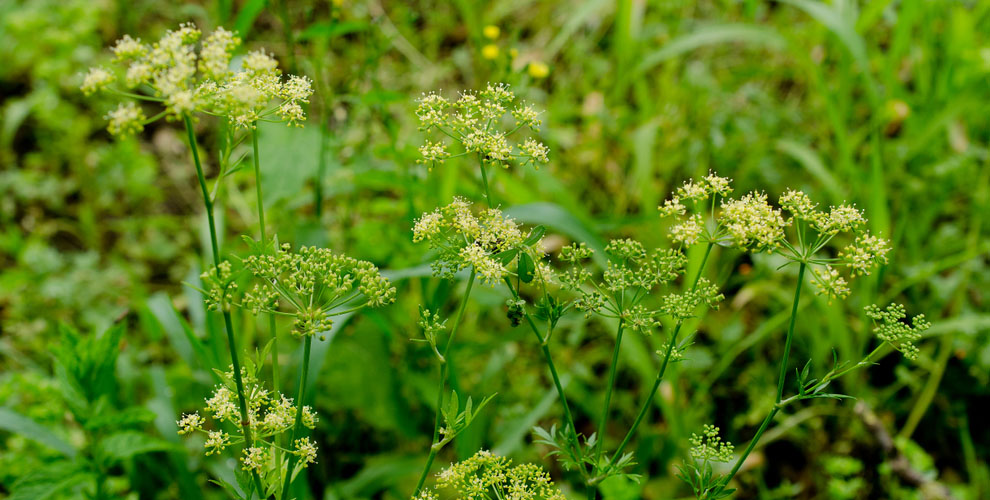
column 481, row 122
column 269, row 414
column 752, row 224
column 186, row 74
column 486, row 475
column 487, row 242
column 316, row 283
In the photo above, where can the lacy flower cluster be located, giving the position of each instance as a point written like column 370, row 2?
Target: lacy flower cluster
column 752, row 224
column 480, row 123
column 269, row 414
column 486, row 242
column 486, row 475
column 186, row 73
column 315, row 283
column 630, row 275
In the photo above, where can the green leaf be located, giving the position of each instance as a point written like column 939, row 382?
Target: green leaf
column 49, row 481
column 711, row 35
column 124, row 445
column 16, row 423
column 526, row 268
column 534, row 235
column 248, row 13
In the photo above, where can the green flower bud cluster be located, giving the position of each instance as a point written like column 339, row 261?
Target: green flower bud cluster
column 630, row 275
column 889, row 328
column 317, row 285
column 709, row 446
column 486, row 242
column 187, row 76
column 269, row 414
column 478, row 121
column 486, row 475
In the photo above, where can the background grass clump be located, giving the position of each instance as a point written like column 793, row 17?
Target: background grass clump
column 881, row 104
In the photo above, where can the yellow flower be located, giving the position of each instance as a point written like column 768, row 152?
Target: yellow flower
column 491, row 32
column 489, row 51
column 538, row 69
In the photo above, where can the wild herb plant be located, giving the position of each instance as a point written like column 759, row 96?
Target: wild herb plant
column 189, row 79
column 629, row 290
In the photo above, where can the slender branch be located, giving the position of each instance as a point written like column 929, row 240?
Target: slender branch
column 790, row 333
column 778, row 404
column 442, row 384
column 300, row 400
column 608, row 392
column 228, row 324
column 663, row 368
column 484, row 179
column 272, row 327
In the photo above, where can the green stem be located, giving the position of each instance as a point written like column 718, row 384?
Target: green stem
column 228, row 324
column 484, row 180
column 752, row 444
column 608, row 393
column 569, row 419
column 272, row 327
column 790, row 334
column 780, row 380
column 445, row 359
column 300, row 403
column 663, row 369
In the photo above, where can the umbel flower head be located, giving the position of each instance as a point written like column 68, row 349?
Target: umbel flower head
column 486, row 475
column 709, row 447
column 487, row 242
column 752, row 224
column 316, row 283
column 269, row 414
column 188, row 74
column 890, row 327
column 481, row 124
column 630, row 275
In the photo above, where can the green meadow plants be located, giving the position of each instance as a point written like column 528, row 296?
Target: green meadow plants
column 188, row 78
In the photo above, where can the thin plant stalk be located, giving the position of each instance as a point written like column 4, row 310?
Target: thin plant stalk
column 780, row 382
column 301, row 395
column 434, row 447
column 484, row 180
column 663, row 369
column 613, row 368
column 544, row 346
column 228, row 323
column 272, row 327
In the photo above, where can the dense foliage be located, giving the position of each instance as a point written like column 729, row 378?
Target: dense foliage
column 645, row 249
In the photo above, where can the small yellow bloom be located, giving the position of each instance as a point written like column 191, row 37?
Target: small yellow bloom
column 538, row 69
column 491, row 32
column 489, row 51
column 513, row 52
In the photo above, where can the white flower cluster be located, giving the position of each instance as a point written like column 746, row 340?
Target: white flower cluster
column 486, row 242
column 185, row 81
column 486, row 475
column 477, row 120
column 752, row 224
column 268, row 414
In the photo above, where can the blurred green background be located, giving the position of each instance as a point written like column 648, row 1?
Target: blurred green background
column 882, row 103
